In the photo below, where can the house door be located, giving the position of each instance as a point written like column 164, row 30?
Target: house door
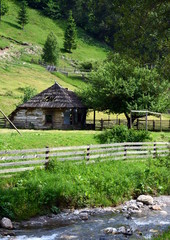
column 67, row 117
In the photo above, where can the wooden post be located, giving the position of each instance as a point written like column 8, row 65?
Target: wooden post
column 153, row 125
column 125, row 151
column 10, row 121
column 130, row 119
column 146, row 121
column 161, row 122
column 47, row 153
column 154, row 148
column 101, row 124
column 119, row 121
column 94, row 120
column 137, row 124
column 47, row 157
column 88, row 153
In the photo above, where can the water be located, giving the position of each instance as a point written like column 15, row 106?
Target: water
column 147, row 224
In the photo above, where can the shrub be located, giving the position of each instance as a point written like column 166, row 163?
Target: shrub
column 29, row 92
column 123, row 134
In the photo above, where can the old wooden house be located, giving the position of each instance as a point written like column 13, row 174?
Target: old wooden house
column 54, row 108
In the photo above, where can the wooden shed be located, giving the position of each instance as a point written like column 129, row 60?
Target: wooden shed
column 54, row 108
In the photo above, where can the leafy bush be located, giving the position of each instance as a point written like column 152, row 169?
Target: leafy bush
column 29, row 92
column 123, row 134
column 86, row 65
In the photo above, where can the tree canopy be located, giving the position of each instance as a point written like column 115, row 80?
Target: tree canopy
column 51, row 50
column 70, row 34
column 22, row 14
column 120, row 85
column 3, row 8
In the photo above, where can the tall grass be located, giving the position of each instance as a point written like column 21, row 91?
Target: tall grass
column 68, row 185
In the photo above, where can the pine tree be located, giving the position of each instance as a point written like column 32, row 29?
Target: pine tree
column 3, row 8
column 22, row 14
column 70, row 34
column 51, row 50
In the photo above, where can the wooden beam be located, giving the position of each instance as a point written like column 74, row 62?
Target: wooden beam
column 94, row 120
column 10, row 121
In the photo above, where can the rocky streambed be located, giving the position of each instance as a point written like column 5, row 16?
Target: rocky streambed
column 135, row 219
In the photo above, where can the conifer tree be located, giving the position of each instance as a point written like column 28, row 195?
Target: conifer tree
column 70, row 34
column 22, row 14
column 3, row 8
column 51, row 50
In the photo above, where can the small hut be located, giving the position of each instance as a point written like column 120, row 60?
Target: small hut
column 54, row 108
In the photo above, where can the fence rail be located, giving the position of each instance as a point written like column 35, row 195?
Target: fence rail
column 13, row 161
column 140, row 124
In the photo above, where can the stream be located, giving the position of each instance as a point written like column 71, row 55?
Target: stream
column 142, row 225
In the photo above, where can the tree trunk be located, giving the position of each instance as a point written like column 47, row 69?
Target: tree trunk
column 128, row 120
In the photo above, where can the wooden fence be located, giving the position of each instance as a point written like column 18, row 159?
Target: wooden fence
column 13, row 161
column 140, row 124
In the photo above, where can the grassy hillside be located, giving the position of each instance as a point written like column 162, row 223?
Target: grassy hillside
column 18, row 63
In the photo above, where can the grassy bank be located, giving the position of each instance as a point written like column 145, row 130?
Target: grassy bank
column 10, row 139
column 70, row 185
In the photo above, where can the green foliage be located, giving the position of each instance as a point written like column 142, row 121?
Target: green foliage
column 123, row 134
column 71, row 185
column 70, row 34
column 51, row 50
column 3, row 8
column 120, row 85
column 29, row 92
column 22, row 14
column 86, row 65
column 52, row 9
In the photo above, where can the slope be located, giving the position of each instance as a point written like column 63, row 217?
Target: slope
column 21, row 51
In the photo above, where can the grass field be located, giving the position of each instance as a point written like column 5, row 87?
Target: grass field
column 17, row 70
column 10, row 139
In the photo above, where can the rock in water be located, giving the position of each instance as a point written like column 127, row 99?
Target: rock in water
column 6, row 223
column 110, row 230
column 146, row 199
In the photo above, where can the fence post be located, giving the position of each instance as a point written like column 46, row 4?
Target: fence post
column 153, row 125
column 154, row 148
column 88, row 153
column 47, row 157
column 137, row 124
column 101, row 123
column 125, row 151
column 119, row 121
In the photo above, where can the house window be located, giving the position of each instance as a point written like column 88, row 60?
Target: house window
column 48, row 118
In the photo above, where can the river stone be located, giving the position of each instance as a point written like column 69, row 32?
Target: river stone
column 84, row 216
column 146, row 199
column 121, row 230
column 163, row 212
column 6, row 223
column 156, row 207
column 110, row 230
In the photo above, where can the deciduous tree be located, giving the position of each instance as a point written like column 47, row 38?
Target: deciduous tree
column 120, row 86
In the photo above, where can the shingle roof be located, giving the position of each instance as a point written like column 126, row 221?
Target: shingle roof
column 54, row 97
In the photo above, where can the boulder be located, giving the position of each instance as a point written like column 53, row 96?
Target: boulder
column 156, row 207
column 84, row 216
column 146, row 199
column 110, row 230
column 6, row 223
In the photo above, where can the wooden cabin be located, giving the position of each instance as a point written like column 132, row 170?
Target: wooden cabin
column 54, row 108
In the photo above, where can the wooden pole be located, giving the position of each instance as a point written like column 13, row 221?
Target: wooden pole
column 130, row 119
column 161, row 122
column 146, row 121
column 10, row 121
column 94, row 120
